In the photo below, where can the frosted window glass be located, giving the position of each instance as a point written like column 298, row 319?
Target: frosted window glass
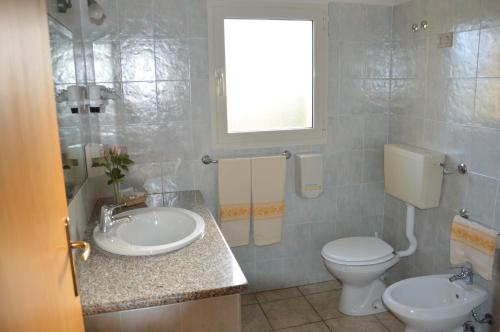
column 269, row 74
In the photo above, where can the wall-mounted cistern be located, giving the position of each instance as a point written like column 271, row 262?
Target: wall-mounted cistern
column 413, row 175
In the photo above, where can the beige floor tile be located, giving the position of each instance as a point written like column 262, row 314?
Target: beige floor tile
column 320, row 287
column 278, row 294
column 289, row 312
column 314, row 327
column 248, row 299
column 356, row 324
column 253, row 319
column 326, row 304
column 391, row 322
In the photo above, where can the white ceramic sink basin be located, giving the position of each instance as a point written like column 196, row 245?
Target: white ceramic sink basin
column 151, row 231
column 433, row 303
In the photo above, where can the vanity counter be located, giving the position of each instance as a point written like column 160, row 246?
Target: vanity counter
column 206, row 268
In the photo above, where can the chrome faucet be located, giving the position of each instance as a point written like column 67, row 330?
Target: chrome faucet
column 107, row 219
column 465, row 274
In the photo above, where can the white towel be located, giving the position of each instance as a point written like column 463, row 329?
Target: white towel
column 268, row 196
column 473, row 243
column 234, row 200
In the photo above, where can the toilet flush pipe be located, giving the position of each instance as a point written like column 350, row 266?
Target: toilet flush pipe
column 410, row 232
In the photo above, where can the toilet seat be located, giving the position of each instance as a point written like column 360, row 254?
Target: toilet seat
column 358, row 250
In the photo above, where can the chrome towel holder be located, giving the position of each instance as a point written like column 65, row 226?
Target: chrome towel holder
column 464, row 213
column 207, row 160
column 460, row 169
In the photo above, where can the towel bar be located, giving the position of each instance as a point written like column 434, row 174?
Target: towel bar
column 207, row 160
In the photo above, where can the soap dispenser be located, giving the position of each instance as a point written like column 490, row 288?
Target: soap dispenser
column 309, row 174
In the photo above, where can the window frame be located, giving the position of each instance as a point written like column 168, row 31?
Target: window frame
column 218, row 10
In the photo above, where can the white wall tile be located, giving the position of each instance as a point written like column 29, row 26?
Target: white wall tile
column 135, row 18
column 172, row 59
column 467, row 15
column 490, row 13
column 488, row 102
column 170, row 18
column 137, row 59
column 485, row 151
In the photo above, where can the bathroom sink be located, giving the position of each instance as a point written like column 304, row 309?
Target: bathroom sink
column 151, row 231
column 433, row 303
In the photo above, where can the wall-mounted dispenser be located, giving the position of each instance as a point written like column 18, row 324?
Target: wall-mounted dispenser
column 96, row 12
column 309, row 174
column 95, row 98
column 74, row 97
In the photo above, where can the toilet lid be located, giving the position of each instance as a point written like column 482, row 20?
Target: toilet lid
column 358, row 250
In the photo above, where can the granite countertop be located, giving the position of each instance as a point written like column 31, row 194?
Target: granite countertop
column 206, row 268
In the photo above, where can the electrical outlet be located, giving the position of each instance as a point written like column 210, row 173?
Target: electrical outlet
column 445, row 40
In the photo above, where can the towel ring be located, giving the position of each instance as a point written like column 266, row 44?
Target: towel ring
column 464, row 213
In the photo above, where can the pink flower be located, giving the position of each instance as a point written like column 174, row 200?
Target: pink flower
column 114, row 150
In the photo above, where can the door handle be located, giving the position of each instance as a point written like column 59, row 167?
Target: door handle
column 81, row 245
column 84, row 256
column 221, row 82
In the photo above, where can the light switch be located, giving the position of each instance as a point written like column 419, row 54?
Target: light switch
column 445, row 40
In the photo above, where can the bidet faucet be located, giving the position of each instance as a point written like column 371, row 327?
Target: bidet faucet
column 107, row 220
column 465, row 274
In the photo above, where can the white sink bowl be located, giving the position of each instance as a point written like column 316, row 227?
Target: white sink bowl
column 433, row 303
column 151, row 231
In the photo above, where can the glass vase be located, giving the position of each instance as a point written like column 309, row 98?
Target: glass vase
column 116, row 192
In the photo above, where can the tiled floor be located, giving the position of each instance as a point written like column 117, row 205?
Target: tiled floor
column 308, row 308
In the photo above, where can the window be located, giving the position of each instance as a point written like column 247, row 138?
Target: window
column 268, row 73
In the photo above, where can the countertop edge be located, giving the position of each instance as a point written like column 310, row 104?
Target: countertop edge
column 90, row 310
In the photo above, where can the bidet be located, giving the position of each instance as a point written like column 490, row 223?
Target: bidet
column 433, row 303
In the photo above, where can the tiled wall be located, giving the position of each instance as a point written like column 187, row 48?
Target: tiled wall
column 154, row 54
column 447, row 99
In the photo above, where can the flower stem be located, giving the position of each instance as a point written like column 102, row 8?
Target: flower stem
column 116, row 191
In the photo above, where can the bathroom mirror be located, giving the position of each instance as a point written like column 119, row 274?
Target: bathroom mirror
column 72, row 119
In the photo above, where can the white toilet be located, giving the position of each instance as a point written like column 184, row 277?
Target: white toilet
column 413, row 175
column 358, row 262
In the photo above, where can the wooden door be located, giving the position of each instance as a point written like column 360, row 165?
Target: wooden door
column 36, row 290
